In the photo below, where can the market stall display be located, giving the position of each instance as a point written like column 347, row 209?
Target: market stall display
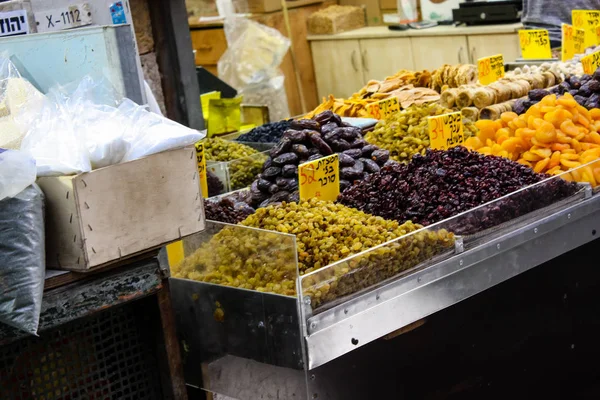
column 442, row 184
column 453, row 76
column 311, row 139
column 408, row 86
column 584, row 89
column 242, row 162
column 268, row 133
column 230, row 209
column 325, row 233
column 406, row 133
column 553, row 136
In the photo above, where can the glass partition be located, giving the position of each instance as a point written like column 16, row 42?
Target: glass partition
column 235, row 303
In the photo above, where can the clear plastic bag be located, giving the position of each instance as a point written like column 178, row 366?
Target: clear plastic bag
column 22, row 259
column 16, row 95
column 251, row 61
column 148, row 133
column 270, row 93
column 17, row 171
column 54, row 144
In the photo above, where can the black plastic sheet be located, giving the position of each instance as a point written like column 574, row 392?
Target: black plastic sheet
column 22, row 259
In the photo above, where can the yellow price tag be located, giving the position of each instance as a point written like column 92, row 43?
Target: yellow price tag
column 572, row 41
column 490, row 69
column 384, row 108
column 320, row 178
column 535, row 44
column 202, row 168
column 588, row 20
column 446, row 131
column 591, row 63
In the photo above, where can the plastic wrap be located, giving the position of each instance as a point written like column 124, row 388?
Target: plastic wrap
column 251, row 61
column 16, row 95
column 17, row 171
column 148, row 133
column 22, row 259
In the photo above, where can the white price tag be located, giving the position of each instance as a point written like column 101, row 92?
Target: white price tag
column 13, row 23
column 72, row 16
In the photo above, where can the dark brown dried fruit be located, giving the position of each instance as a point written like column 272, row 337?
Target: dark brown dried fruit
column 286, row 158
column 282, row 147
column 289, row 171
column 271, row 172
column 354, row 153
column 340, row 145
column 300, row 124
column 324, row 117
column 295, row 136
column 442, row 184
column 263, row 184
column 320, row 144
column 301, row 150
column 380, row 156
column 345, row 160
column 370, row 165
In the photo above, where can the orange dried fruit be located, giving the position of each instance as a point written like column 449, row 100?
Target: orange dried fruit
column 541, row 165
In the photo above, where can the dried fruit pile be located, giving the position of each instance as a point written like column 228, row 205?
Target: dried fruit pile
column 408, row 86
column 311, row 139
column 267, row 133
column 245, row 162
column 442, row 184
column 325, row 233
column 231, row 209
column 585, row 91
column 553, row 136
column 453, row 76
column 215, row 186
column 407, row 133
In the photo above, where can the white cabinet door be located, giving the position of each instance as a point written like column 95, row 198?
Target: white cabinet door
column 338, row 67
column 506, row 44
column 431, row 52
column 384, row 57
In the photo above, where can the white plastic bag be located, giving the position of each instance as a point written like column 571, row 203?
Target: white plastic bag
column 251, row 61
column 52, row 141
column 149, row 133
column 17, row 171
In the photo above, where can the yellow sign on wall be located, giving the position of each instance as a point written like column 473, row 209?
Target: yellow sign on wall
column 535, row 44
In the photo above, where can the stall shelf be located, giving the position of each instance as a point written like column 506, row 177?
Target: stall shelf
column 229, row 332
column 108, row 334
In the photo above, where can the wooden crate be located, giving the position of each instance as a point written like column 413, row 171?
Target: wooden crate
column 101, row 217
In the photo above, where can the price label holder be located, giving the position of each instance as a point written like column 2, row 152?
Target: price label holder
column 535, row 44
column 57, row 19
column 224, row 116
column 573, row 40
column 384, row 108
column 202, row 168
column 320, row 178
column 490, row 69
column 591, row 63
column 446, row 131
column 589, row 21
